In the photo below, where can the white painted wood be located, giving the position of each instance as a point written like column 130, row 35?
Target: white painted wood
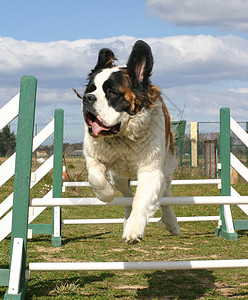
column 239, row 131
column 151, row 265
column 15, row 268
column 57, row 225
column 134, row 183
column 9, row 111
column 7, row 169
column 43, row 135
column 39, row 174
column 228, row 219
column 6, row 222
column 127, row 201
column 6, row 205
column 244, row 208
column 239, row 167
column 151, row 220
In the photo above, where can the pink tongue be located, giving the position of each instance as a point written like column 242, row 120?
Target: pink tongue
column 97, row 127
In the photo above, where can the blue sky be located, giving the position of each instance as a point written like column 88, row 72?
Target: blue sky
column 200, row 51
column 53, row 20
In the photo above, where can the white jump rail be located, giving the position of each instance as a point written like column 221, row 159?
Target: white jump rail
column 151, row 220
column 127, row 201
column 121, row 221
column 128, row 266
column 134, row 183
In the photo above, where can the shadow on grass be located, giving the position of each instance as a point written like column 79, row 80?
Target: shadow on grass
column 184, row 284
column 97, row 236
column 48, row 288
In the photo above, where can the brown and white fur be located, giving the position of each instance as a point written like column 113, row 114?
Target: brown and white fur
column 127, row 137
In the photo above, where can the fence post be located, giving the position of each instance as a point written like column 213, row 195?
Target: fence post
column 194, row 143
column 23, row 174
column 57, row 174
column 225, row 148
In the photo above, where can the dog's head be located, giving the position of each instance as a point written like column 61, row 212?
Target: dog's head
column 114, row 92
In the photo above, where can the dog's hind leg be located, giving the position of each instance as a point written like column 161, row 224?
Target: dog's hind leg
column 168, row 216
column 123, row 186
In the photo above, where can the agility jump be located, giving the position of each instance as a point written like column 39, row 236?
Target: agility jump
column 16, row 276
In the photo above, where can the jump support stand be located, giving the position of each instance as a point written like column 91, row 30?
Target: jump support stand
column 17, row 281
column 22, row 183
column 15, row 276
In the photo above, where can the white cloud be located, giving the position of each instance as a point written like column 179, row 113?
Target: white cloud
column 188, row 67
column 231, row 14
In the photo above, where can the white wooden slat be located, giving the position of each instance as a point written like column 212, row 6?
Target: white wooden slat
column 6, row 222
column 9, row 111
column 15, row 268
column 243, row 207
column 38, row 174
column 7, row 169
column 239, row 131
column 239, row 167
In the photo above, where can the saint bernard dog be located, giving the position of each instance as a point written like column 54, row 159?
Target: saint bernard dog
column 127, row 137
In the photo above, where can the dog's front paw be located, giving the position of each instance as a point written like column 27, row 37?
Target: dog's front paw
column 103, row 190
column 134, row 230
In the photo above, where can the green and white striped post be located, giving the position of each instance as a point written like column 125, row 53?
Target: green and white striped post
column 225, row 148
column 23, row 173
column 57, row 174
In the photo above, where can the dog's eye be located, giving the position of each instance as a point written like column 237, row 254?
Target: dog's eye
column 90, row 88
column 110, row 92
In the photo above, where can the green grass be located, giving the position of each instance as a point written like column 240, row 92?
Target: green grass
column 103, row 243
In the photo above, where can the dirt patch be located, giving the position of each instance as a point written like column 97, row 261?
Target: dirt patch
column 130, row 287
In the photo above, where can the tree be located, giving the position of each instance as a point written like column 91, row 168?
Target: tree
column 7, row 142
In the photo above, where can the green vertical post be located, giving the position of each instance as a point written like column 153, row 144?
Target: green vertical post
column 57, row 173
column 23, row 172
column 225, row 148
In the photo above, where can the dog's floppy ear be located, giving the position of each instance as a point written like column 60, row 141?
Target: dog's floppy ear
column 106, row 59
column 140, row 62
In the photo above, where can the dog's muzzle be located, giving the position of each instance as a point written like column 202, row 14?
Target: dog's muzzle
column 97, row 127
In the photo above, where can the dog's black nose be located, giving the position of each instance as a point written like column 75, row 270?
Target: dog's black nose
column 89, row 98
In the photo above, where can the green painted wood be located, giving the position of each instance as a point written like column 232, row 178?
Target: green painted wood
column 240, row 225
column 19, row 296
column 23, row 167
column 58, row 164
column 41, row 228
column 4, row 277
column 225, row 149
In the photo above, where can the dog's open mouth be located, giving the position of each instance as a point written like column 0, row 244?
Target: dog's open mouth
column 97, row 127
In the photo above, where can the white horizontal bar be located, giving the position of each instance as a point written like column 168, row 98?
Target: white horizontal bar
column 134, row 183
column 195, row 181
column 151, row 265
column 151, row 220
column 127, row 201
column 9, row 111
column 239, row 131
